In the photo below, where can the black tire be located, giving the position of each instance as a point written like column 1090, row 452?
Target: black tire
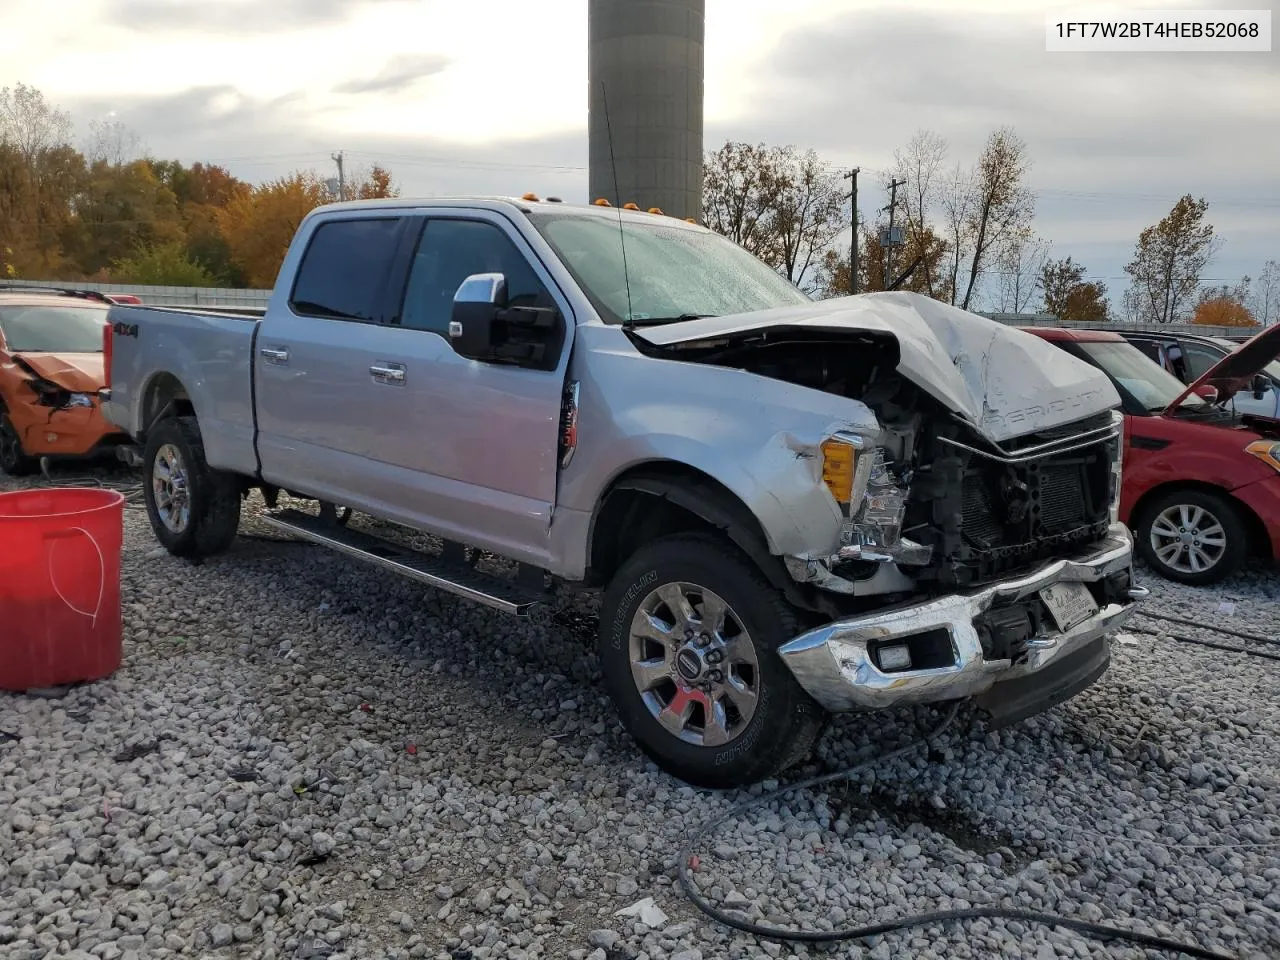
column 13, row 459
column 212, row 496
column 1226, row 561
column 785, row 722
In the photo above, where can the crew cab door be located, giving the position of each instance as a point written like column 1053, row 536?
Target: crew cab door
column 468, row 449
column 314, row 350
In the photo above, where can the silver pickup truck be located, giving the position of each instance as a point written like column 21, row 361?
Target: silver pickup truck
column 791, row 507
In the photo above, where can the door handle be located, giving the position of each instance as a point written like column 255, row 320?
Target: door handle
column 274, row 355
column 389, row 373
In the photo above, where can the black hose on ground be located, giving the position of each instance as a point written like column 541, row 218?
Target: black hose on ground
column 1096, row 931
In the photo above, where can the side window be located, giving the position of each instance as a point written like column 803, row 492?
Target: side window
column 1199, row 361
column 448, row 252
column 1150, row 348
column 343, row 271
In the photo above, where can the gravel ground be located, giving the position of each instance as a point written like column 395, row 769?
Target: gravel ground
column 304, row 757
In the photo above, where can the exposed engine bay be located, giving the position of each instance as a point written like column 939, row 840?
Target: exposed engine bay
column 944, row 505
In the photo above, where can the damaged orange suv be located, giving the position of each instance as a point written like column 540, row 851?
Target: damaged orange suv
column 50, row 374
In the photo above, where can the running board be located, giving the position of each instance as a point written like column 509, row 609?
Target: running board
column 459, row 580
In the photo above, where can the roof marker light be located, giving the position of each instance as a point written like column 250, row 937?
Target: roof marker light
column 530, row 196
column 602, row 202
column 657, row 210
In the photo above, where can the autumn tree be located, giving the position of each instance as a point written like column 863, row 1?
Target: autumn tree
column 1169, row 260
column 39, row 176
column 1223, row 312
column 1068, row 296
column 259, row 223
column 123, row 207
column 376, row 184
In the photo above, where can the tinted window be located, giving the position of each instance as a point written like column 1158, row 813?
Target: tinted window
column 1199, row 360
column 52, row 329
column 343, row 272
column 1149, row 347
column 449, row 251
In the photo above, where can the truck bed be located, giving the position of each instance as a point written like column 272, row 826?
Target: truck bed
column 204, row 356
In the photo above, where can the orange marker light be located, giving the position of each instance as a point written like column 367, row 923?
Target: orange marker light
column 602, row 202
column 657, row 210
column 530, row 196
column 630, row 206
column 690, row 220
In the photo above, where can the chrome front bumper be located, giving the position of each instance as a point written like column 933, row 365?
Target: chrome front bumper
column 834, row 662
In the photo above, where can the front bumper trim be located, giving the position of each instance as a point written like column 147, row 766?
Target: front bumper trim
column 835, row 665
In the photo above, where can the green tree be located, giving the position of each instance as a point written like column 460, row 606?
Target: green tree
column 166, row 265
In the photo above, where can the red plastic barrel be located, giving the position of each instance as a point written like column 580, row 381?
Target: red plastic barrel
column 59, row 586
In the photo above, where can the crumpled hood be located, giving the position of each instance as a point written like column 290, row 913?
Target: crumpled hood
column 1004, row 381
column 77, row 372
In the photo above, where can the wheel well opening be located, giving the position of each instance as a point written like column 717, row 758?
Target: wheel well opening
column 1259, row 540
column 656, row 500
column 165, row 390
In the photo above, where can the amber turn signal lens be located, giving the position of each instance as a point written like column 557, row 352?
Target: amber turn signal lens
column 838, row 462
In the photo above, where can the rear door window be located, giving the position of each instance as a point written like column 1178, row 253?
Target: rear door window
column 344, row 271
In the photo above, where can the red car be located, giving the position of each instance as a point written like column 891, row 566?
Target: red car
column 1201, row 487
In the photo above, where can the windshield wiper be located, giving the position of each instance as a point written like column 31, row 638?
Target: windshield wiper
column 655, row 321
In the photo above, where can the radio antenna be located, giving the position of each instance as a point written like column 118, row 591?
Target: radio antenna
column 617, row 199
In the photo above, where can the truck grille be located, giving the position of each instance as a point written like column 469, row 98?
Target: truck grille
column 1017, row 514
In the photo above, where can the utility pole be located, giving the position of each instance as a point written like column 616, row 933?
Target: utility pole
column 342, row 183
column 888, row 247
column 853, row 247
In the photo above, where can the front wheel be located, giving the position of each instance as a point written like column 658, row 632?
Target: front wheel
column 689, row 631
column 194, row 509
column 1192, row 536
column 13, row 459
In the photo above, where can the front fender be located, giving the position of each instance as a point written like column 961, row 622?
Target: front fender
column 759, row 438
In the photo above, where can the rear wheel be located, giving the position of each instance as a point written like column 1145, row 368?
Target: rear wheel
column 13, row 459
column 689, row 632
column 1192, row 536
column 194, row 509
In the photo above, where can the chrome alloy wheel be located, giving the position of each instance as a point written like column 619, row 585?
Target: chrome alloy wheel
column 169, row 485
column 1188, row 538
column 694, row 664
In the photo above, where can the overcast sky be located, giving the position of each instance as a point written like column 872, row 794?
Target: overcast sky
column 489, row 96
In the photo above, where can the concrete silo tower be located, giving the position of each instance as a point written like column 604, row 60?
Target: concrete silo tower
column 646, row 58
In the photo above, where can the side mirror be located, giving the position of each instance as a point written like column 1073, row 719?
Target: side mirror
column 1261, row 386
column 1207, row 392
column 483, row 327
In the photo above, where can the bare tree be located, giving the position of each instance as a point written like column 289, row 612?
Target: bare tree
column 920, row 164
column 1265, row 302
column 1169, row 260
column 1001, row 206
column 809, row 211
column 30, row 124
column 112, row 142
column 740, row 186
column 957, row 205
column 1019, row 267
